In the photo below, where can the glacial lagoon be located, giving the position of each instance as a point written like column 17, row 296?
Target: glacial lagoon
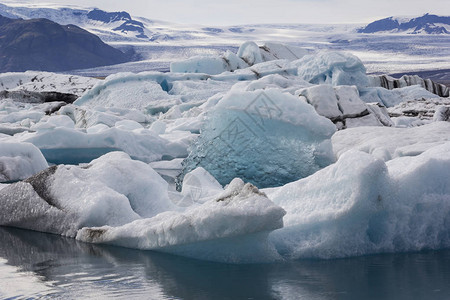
column 37, row 265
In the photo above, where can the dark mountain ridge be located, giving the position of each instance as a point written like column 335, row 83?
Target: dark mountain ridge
column 426, row 24
column 41, row 44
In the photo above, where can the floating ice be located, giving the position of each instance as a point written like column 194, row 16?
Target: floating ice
column 74, row 146
column 222, row 229
column 46, row 82
column 387, row 143
column 199, row 186
column 200, row 64
column 19, row 161
column 360, row 206
column 442, row 114
column 249, row 54
column 390, row 98
column 274, row 51
column 63, row 199
column 335, row 68
column 264, row 137
column 390, row 83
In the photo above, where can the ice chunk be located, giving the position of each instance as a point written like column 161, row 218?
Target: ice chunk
column 405, row 121
column 19, row 161
column 342, row 105
column 265, row 137
column 200, row 64
column 250, row 53
column 72, row 146
column 274, row 51
column 54, row 122
column 285, row 83
column 360, row 205
column 387, row 143
column 424, row 109
column 199, row 186
column 129, row 125
column 240, row 212
column 390, row 83
column 442, row 114
column 335, row 68
column 327, row 213
column 117, row 91
column 390, row 98
column 62, row 199
column 46, row 81
column 85, row 117
column 323, row 98
column 158, row 127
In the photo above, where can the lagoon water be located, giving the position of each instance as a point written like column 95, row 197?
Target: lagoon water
column 45, row 266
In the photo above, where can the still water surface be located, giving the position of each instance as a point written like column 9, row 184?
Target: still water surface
column 44, row 266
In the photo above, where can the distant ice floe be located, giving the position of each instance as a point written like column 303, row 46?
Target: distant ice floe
column 278, row 153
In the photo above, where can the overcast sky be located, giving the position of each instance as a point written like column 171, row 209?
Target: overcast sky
column 230, row 12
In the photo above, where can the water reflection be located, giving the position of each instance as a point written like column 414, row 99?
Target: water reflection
column 39, row 265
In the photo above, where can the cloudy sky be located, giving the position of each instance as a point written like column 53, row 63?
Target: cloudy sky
column 228, row 12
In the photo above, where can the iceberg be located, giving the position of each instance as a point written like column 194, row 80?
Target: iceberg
column 249, row 54
column 100, row 202
column 19, row 161
column 343, row 106
column 387, row 143
column 66, row 145
column 267, row 138
column 335, row 68
column 361, row 205
column 276, row 154
column 390, row 83
column 231, row 228
column 201, row 64
column 63, row 199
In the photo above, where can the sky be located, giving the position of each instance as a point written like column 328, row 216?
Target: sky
column 235, row 12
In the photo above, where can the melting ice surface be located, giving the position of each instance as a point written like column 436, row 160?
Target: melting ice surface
column 282, row 158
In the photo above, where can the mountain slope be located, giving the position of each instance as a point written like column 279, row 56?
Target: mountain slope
column 109, row 26
column 429, row 24
column 40, row 44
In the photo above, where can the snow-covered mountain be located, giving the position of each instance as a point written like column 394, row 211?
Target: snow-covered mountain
column 109, row 26
column 426, row 24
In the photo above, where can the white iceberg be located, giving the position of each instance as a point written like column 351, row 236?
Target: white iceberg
column 360, row 205
column 387, row 143
column 19, row 161
column 63, row 199
column 231, row 228
column 335, row 68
